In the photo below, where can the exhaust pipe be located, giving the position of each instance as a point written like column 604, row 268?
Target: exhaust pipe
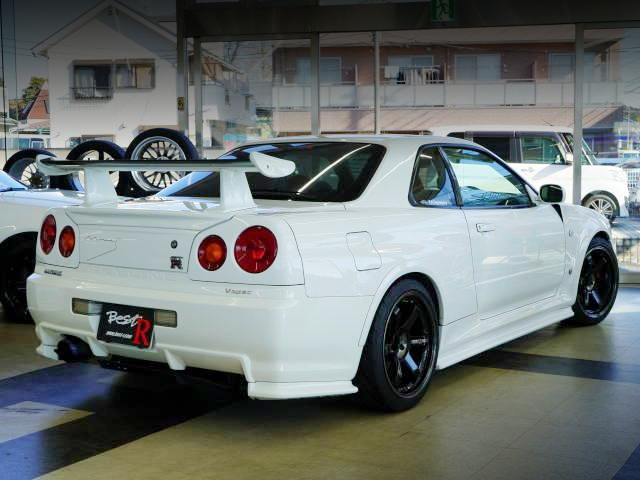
column 72, row 349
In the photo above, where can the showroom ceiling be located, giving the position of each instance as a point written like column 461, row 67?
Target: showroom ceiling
column 215, row 20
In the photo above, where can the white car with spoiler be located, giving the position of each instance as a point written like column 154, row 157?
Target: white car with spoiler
column 316, row 266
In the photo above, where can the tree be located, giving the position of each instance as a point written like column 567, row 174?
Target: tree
column 31, row 92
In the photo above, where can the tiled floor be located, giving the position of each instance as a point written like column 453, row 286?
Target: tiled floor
column 562, row 403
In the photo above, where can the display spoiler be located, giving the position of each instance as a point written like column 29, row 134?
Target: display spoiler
column 235, row 193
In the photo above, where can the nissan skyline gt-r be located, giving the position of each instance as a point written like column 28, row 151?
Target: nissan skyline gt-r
column 317, row 266
column 21, row 212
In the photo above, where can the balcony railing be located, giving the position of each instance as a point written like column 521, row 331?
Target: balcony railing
column 502, row 93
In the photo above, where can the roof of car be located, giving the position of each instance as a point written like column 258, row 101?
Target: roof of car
column 383, row 139
column 446, row 129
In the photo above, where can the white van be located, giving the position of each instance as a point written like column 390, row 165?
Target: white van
column 543, row 155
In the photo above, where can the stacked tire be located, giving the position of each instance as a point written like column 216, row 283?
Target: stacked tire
column 155, row 144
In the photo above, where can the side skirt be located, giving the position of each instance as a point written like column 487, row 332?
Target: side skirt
column 469, row 336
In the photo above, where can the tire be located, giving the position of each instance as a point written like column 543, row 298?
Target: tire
column 604, row 204
column 400, row 355
column 89, row 150
column 156, row 144
column 18, row 262
column 598, row 284
column 22, row 166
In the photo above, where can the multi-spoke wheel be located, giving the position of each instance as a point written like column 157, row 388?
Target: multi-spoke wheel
column 598, row 284
column 18, row 262
column 604, row 204
column 89, row 150
column 22, row 166
column 400, row 355
column 157, row 144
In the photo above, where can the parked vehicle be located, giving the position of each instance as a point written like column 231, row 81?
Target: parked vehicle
column 545, row 155
column 317, row 266
column 21, row 213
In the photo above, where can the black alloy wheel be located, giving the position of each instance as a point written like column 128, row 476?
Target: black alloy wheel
column 18, row 262
column 89, row 150
column 598, row 284
column 400, row 355
column 22, row 166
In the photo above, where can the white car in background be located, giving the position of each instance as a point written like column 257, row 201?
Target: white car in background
column 544, row 155
column 21, row 213
column 315, row 266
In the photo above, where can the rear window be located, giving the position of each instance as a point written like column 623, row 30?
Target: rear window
column 325, row 172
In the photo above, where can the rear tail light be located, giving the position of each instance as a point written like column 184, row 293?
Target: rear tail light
column 256, row 249
column 48, row 234
column 67, row 241
column 212, row 253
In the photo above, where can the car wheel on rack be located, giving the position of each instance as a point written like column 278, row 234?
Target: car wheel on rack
column 604, row 204
column 400, row 355
column 18, row 262
column 22, row 166
column 598, row 284
column 156, row 144
column 89, row 150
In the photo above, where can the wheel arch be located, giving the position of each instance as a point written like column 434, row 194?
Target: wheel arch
column 17, row 238
column 427, row 281
column 586, row 198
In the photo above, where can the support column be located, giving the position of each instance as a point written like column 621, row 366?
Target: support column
column 182, row 73
column 578, row 103
column 315, row 84
column 197, row 89
column 376, row 82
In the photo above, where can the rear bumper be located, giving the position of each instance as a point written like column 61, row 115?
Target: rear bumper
column 285, row 344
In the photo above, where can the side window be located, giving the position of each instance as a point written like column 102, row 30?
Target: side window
column 541, row 149
column 485, row 182
column 498, row 144
column 430, row 184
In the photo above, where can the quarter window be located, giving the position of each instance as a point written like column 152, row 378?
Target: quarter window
column 484, row 181
column 431, row 185
column 539, row 149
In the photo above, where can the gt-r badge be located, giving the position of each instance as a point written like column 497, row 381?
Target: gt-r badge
column 176, row 263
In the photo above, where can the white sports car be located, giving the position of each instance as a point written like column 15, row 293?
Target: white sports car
column 317, row 266
column 21, row 213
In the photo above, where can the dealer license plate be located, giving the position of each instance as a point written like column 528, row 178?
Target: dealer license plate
column 126, row 325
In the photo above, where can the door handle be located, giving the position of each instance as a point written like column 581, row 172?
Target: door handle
column 485, row 227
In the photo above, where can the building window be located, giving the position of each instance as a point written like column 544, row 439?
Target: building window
column 561, row 67
column 135, row 75
column 330, row 71
column 92, row 81
column 477, row 68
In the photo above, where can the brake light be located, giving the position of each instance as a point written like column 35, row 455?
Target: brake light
column 48, row 234
column 256, row 249
column 212, row 253
column 67, row 241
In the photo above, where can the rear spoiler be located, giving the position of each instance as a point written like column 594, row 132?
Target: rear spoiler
column 235, row 193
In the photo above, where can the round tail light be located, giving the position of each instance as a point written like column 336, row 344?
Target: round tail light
column 256, row 249
column 212, row 253
column 67, row 241
column 48, row 234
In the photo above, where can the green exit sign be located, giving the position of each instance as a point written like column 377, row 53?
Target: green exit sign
column 443, row 11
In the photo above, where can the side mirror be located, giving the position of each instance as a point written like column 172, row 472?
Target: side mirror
column 569, row 158
column 551, row 193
